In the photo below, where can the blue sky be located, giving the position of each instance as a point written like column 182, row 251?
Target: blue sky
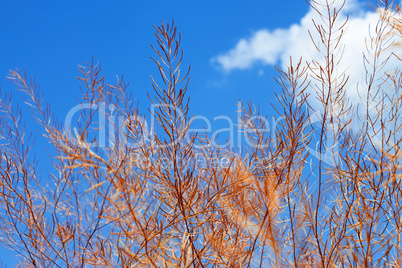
column 50, row 39
column 232, row 47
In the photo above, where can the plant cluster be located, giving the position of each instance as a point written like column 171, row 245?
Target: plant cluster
column 276, row 206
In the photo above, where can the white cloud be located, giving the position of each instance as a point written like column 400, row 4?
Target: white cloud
column 272, row 47
column 263, row 46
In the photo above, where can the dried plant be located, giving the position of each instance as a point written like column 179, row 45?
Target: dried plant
column 123, row 195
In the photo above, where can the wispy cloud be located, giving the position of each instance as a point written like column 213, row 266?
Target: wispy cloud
column 274, row 47
column 264, row 46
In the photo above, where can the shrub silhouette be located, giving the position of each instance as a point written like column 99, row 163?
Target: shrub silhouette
column 147, row 201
